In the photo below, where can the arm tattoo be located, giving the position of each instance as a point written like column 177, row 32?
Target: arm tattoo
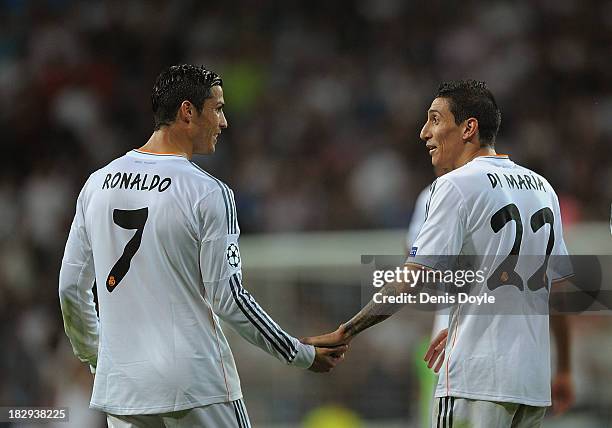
column 374, row 313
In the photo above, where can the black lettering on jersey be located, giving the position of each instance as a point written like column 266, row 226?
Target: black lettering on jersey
column 154, row 182
column 129, row 181
column 125, row 180
column 144, row 182
column 526, row 180
column 115, row 180
column 511, row 181
column 136, row 182
column 167, row 181
column 106, row 180
column 495, row 180
column 523, row 182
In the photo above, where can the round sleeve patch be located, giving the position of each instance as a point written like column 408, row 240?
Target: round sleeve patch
column 233, row 255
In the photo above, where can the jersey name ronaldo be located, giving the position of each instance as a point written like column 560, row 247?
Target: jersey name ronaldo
column 160, row 237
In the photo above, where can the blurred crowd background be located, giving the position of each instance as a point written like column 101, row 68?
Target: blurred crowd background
column 325, row 101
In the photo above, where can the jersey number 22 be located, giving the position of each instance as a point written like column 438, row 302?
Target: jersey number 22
column 506, row 274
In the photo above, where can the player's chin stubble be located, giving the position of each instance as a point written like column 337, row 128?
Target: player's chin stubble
column 438, row 155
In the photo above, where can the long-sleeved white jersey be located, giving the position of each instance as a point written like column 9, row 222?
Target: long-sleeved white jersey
column 160, row 237
column 507, row 220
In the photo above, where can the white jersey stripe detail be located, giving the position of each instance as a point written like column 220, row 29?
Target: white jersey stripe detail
column 224, row 192
column 270, row 321
column 238, row 296
column 280, row 332
column 232, row 211
column 245, row 420
column 247, row 423
column 287, row 344
column 238, row 414
column 233, row 206
column 432, row 188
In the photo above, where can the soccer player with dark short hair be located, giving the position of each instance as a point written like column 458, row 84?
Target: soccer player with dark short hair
column 487, row 209
column 159, row 235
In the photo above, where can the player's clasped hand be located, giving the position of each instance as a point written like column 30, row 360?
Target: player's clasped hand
column 327, row 358
column 330, row 349
column 436, row 351
column 333, row 339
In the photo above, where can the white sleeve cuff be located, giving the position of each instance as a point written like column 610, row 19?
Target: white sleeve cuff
column 305, row 356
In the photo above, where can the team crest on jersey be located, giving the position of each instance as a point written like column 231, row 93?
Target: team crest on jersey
column 233, row 255
column 413, row 251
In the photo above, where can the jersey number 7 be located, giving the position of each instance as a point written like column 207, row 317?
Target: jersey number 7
column 127, row 219
column 506, row 274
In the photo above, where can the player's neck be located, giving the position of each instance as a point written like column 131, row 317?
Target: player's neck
column 167, row 141
column 473, row 154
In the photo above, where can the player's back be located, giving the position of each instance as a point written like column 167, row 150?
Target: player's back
column 503, row 199
column 504, row 220
column 161, row 348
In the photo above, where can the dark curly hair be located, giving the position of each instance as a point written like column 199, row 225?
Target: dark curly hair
column 471, row 98
column 180, row 83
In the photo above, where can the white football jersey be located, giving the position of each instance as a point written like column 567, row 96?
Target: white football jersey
column 418, row 217
column 160, row 237
column 441, row 318
column 494, row 209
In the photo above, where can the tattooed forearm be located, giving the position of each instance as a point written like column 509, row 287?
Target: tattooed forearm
column 374, row 313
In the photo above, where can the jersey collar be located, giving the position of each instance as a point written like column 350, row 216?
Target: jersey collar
column 144, row 152
column 493, row 157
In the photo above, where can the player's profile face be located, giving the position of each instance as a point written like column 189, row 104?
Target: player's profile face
column 442, row 136
column 209, row 123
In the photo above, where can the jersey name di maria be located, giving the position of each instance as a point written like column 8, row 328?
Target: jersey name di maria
column 492, row 211
column 160, row 237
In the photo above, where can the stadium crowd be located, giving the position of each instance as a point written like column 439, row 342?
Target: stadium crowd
column 325, row 101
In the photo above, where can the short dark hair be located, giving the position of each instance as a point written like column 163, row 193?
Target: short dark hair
column 471, row 98
column 180, row 83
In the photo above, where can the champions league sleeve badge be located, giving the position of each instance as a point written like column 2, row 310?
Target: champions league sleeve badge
column 233, row 255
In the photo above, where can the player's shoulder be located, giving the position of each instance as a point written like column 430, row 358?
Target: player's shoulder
column 451, row 181
column 539, row 180
column 424, row 194
column 467, row 171
column 459, row 176
column 219, row 203
column 110, row 166
column 99, row 173
column 218, row 200
column 469, row 180
column 105, row 167
column 524, row 170
column 208, row 180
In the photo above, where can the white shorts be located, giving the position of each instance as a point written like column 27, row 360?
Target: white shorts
column 231, row 414
column 455, row 412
